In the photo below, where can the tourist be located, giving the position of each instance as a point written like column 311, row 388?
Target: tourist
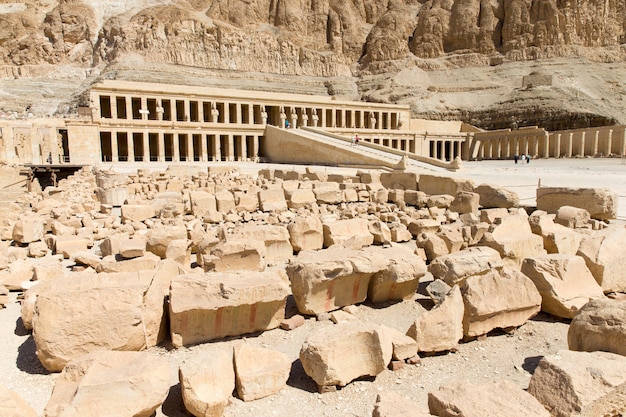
column 516, row 158
column 356, row 140
column 287, row 125
column 528, row 159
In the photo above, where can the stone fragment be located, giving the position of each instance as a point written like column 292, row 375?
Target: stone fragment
column 498, row 300
column 404, row 347
column 353, row 233
column 212, row 306
column 179, row 251
column 300, row 198
column 225, row 201
column 585, row 384
column 599, row 325
column 441, row 328
column 572, row 217
column 433, row 185
column 332, row 278
column 495, row 196
column 12, row 405
column 437, row 290
column 514, row 240
column 207, row 381
column 69, row 246
column 458, row 266
column 18, row 276
column 344, row 352
column 399, row 279
column 121, row 311
column 275, row 238
column 465, row 202
column 292, row 322
column 37, row 249
column 306, row 233
column 137, row 212
column 380, row 231
column 113, row 196
column 234, row 254
column 132, row 248
column 159, row 238
column 259, row 372
column 603, row 252
column 203, row 204
column 110, row 264
column 272, row 199
column 390, row 404
column 108, row 383
column 556, row 237
column 469, row 399
column 564, row 282
column 601, row 203
column 340, row 316
column 399, row 180
column 28, row 230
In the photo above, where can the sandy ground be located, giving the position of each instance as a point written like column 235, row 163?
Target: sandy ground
column 497, row 357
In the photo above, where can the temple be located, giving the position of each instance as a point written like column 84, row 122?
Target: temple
column 142, row 122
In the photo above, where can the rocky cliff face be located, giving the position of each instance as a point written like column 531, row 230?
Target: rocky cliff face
column 314, row 38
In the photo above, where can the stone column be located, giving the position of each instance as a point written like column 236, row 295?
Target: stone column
column 226, row 112
column 159, row 109
column 596, row 137
column 333, row 118
column 570, row 145
column 557, row 151
column 190, row 147
column 322, row 118
column 343, row 118
column 204, row 157
column 161, row 147
column 255, row 147
column 244, row 148
column 146, row 146
column 145, row 113
column 623, row 142
column 114, row 148
column 217, row 148
column 441, row 147
column 582, row 144
column 231, row 148
column 175, row 147
column 609, row 142
column 200, row 111
column 251, row 114
column 113, row 107
column 130, row 143
column 546, row 143
column 129, row 107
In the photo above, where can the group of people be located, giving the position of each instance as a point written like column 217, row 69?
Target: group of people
column 522, row 158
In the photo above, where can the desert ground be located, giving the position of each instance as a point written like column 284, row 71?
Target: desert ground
column 500, row 356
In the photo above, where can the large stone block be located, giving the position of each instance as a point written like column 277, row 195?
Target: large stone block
column 498, row 299
column 275, row 238
column 556, row 237
column 108, row 383
column 272, row 199
column 306, row 233
column 400, row 278
column 159, row 238
column 339, row 354
column 434, row 185
column 137, row 212
column 81, row 314
column 494, row 196
column 212, row 306
column 117, row 264
column 113, row 196
column 441, row 328
column 514, row 240
column 332, row 278
column 458, row 266
column 399, row 180
column 603, row 252
column 233, row 254
column 469, row 399
column 585, row 384
column 353, row 233
column 564, row 282
column 207, row 381
column 259, row 372
column 601, row 203
column 28, row 230
column 599, row 325
column 300, row 198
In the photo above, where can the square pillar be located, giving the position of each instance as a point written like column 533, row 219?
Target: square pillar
column 161, row 147
column 557, row 151
column 114, row 148
column 570, row 145
column 217, row 148
column 609, row 142
column 130, row 143
column 596, row 137
column 113, row 104
column 231, row 148
column 203, row 148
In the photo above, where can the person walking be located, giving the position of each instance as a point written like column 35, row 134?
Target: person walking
column 356, row 140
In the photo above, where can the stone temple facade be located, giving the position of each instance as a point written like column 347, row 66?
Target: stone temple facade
column 141, row 122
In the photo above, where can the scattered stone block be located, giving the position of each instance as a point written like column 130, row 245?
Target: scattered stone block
column 259, row 372
column 275, row 238
column 28, row 230
column 339, row 354
column 601, row 203
column 599, row 325
column 132, row 248
column 556, row 237
column 159, row 238
column 232, row 255
column 469, row 399
column 18, row 276
column 137, row 212
column 272, row 199
column 586, row 384
column 106, row 383
column 332, row 278
column 572, row 217
column 456, row 267
column 404, row 347
column 292, row 322
column 353, row 233
column 400, row 278
column 495, row 196
column 211, row 306
column 399, row 180
column 564, row 282
column 514, row 240
column 390, row 404
column 208, row 381
column 81, row 314
column 340, row 316
column 440, row 329
column 306, row 233
column 12, row 405
column 465, row 202
column 110, row 264
column 380, row 231
column 603, row 252
column 433, row 185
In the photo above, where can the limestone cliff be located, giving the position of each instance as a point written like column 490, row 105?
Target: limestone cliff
column 369, row 42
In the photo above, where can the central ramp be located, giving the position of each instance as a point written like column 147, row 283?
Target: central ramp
column 310, row 146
